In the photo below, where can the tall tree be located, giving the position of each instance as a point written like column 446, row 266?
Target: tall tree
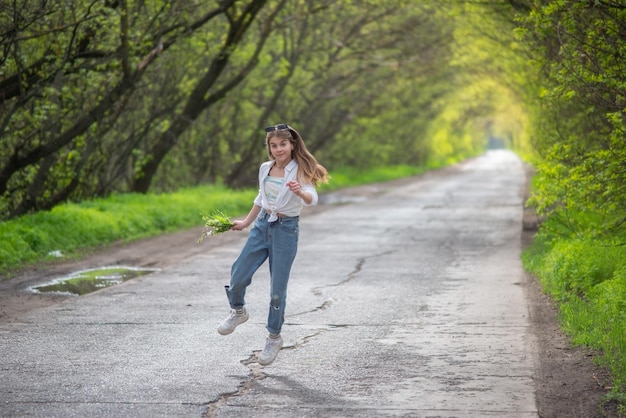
column 70, row 73
column 203, row 95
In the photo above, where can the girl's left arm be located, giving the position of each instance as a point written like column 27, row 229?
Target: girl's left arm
column 306, row 192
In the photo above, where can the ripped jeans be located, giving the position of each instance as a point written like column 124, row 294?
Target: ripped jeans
column 277, row 241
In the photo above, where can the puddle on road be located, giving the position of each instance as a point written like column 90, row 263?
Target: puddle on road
column 87, row 281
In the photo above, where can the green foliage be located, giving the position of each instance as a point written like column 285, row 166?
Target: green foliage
column 491, row 94
column 581, row 128
column 82, row 102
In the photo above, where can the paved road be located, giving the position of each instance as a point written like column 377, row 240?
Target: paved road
column 410, row 303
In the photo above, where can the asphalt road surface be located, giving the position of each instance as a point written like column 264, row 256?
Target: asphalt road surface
column 410, row 303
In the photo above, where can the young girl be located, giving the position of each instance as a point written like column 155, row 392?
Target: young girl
column 286, row 183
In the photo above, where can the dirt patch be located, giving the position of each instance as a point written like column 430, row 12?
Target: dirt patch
column 568, row 383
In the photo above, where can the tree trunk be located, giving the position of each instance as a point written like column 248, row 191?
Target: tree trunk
column 197, row 102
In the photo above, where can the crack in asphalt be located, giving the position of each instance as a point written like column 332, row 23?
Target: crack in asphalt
column 325, row 305
column 255, row 374
column 317, row 291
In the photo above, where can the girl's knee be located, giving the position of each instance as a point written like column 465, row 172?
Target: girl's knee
column 276, row 302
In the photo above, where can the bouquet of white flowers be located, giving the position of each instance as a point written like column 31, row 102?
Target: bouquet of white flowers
column 215, row 224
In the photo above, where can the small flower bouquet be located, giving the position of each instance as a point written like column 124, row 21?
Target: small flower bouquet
column 215, row 224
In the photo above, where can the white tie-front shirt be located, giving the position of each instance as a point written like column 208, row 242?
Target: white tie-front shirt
column 287, row 203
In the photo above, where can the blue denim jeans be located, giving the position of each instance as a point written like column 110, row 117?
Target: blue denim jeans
column 277, row 241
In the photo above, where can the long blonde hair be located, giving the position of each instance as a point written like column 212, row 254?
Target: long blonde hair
column 309, row 170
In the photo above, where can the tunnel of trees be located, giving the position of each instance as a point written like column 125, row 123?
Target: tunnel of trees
column 112, row 97
column 142, row 96
column 134, row 96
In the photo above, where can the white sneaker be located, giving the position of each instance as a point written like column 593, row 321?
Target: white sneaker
column 269, row 353
column 230, row 323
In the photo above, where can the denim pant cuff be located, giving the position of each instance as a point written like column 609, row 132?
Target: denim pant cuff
column 272, row 331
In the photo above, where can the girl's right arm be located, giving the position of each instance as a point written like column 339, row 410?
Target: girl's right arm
column 252, row 215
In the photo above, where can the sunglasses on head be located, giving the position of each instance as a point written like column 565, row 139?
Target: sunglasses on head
column 280, row 127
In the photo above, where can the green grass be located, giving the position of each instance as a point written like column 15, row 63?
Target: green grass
column 75, row 228
column 348, row 177
column 586, row 276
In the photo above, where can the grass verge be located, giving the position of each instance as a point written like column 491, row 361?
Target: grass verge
column 73, row 228
column 586, row 276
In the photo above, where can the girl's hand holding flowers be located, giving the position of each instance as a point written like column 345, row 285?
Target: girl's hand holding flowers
column 239, row 225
